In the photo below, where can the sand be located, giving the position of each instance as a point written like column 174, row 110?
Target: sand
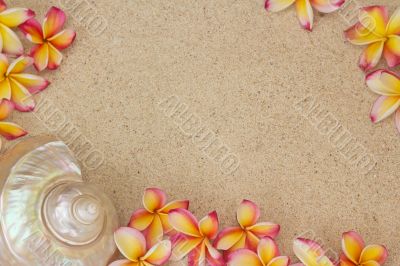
column 248, row 81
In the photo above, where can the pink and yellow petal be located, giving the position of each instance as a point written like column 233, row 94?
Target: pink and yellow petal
column 177, row 204
column 184, row 222
column 371, row 263
column 63, row 39
column 393, row 27
column 124, row 263
column 376, row 253
column 344, row 261
column 19, row 64
column 3, row 64
column 247, row 213
column 154, row 199
column 383, row 107
column 55, row 57
column 3, row 5
column 141, row 219
column 11, row 131
column 359, row 35
column 5, row 89
column 13, row 17
column 33, row 83
column 197, row 257
column 384, row 82
column 252, row 241
column 374, row 18
column 154, row 232
column 214, row 261
column 11, row 43
column 277, row 5
column 209, row 225
column 265, row 229
column 228, row 238
column 21, row 97
column 371, row 56
column 40, row 54
column 267, row 250
column 352, row 245
column 130, row 242
column 308, row 251
column 182, row 245
column 6, row 108
column 32, row 31
column 280, row 261
column 159, row 254
column 212, row 251
column 305, row 14
column 327, row 6
column 53, row 22
column 391, row 51
column 244, row 257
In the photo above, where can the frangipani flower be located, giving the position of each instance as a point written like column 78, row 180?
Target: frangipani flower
column 8, row 130
column 49, row 39
column 132, row 244
column 267, row 255
column 194, row 238
column 305, row 8
column 153, row 219
column 11, row 18
column 387, row 84
column 310, row 253
column 380, row 33
column 355, row 253
column 248, row 234
column 18, row 86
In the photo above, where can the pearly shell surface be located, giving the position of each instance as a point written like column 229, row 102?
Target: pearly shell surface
column 49, row 216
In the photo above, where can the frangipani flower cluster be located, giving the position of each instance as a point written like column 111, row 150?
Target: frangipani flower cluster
column 17, row 87
column 252, row 243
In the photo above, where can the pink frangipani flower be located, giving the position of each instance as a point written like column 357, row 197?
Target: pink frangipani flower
column 194, row 238
column 48, row 38
column 152, row 220
column 248, row 233
column 132, row 244
column 267, row 255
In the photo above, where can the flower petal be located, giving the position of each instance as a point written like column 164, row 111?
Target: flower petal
column 305, row 14
column 197, row 256
column 177, row 204
column 267, row 250
column 19, row 64
column 247, row 213
column 212, row 260
column 213, row 252
column 3, row 64
column 228, row 237
column 159, row 254
column 130, row 242
column 55, row 57
column 124, row 263
column 33, row 83
column 21, row 97
column 277, row 5
column 252, row 241
column 13, row 17
column 11, row 43
column 383, row 107
column 371, row 56
column 154, row 199
column 154, row 233
column 374, row 18
column 40, row 54
column 244, row 257
column 384, row 82
column 352, row 245
column 63, row 39
column 11, row 131
column 53, row 22
column 5, row 89
column 209, row 225
column 3, row 5
column 182, row 245
column 141, row 219
column 391, row 51
column 265, row 229
column 371, row 263
column 6, row 108
column 32, row 31
column 327, row 6
column 397, row 120
column 344, row 261
column 393, row 27
column 359, row 35
column 280, row 261
column 376, row 253
column 184, row 222
column 308, row 251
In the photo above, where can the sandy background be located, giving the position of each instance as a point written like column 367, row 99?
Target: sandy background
column 241, row 71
